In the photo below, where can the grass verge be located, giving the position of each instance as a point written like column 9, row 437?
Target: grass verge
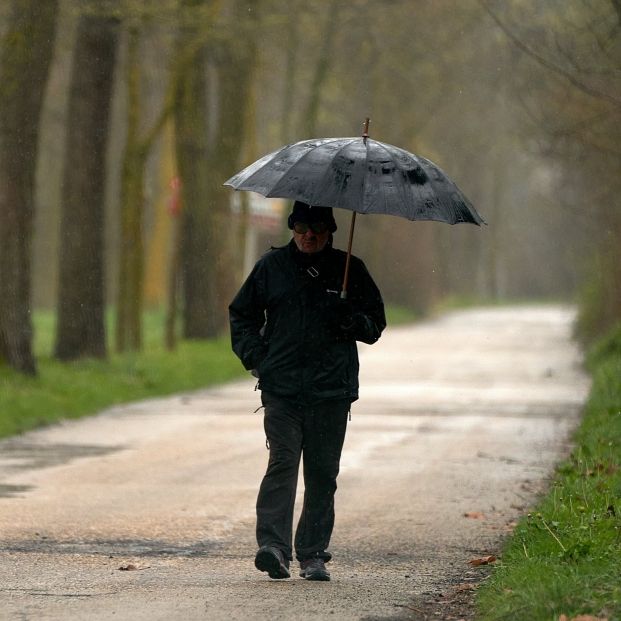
column 80, row 388
column 400, row 315
column 564, row 558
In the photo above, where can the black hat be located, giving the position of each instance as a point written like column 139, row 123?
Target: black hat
column 302, row 212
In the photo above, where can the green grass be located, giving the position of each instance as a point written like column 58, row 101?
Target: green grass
column 458, row 302
column 80, row 388
column 565, row 557
column 400, row 315
column 45, row 330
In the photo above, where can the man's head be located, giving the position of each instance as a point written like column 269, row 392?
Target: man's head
column 311, row 226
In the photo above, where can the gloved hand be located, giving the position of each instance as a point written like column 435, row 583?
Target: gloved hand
column 344, row 314
column 344, row 319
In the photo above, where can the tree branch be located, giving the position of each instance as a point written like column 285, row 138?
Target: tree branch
column 180, row 65
column 616, row 5
column 548, row 64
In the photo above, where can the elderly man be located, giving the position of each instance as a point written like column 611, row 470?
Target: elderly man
column 290, row 326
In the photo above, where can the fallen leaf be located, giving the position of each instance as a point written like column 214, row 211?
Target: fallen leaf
column 474, row 515
column 128, row 567
column 467, row 586
column 582, row 618
column 485, row 560
column 602, row 468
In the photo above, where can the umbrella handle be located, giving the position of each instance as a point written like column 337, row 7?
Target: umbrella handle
column 348, row 259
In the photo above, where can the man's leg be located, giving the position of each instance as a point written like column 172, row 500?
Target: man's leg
column 324, row 434
column 283, row 429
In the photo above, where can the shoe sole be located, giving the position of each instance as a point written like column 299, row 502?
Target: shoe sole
column 269, row 562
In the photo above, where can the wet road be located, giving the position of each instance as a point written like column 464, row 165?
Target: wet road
column 464, row 414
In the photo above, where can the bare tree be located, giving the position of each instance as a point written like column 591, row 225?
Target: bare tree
column 574, row 105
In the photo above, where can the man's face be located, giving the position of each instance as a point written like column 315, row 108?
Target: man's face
column 311, row 237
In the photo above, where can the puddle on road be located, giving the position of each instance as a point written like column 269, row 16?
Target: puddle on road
column 148, row 548
column 18, row 456
column 24, row 456
column 12, row 491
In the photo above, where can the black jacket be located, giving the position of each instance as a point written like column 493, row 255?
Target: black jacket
column 287, row 323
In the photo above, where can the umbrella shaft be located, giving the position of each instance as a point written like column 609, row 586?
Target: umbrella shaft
column 347, row 261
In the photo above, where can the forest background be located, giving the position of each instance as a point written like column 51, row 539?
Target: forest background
column 121, row 119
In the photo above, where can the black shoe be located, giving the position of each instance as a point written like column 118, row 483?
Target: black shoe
column 314, row 569
column 273, row 561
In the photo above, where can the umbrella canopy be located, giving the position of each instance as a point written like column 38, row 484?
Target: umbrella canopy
column 361, row 175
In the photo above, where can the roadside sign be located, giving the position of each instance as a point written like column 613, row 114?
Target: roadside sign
column 264, row 214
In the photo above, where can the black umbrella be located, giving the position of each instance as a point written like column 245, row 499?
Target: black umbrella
column 361, row 175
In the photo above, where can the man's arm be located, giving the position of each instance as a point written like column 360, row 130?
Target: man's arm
column 365, row 319
column 247, row 316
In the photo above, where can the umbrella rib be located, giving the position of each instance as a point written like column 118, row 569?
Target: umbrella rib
column 275, row 154
column 366, row 168
column 432, row 183
column 392, row 157
column 334, row 155
column 447, row 181
column 439, row 191
column 383, row 146
column 257, row 168
column 274, row 192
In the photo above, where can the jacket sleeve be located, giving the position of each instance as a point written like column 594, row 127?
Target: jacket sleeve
column 367, row 305
column 247, row 316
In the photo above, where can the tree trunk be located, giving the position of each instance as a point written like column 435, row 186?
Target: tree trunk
column 234, row 133
column 197, row 230
column 170, row 331
column 25, row 54
column 81, row 301
column 131, row 260
column 158, row 249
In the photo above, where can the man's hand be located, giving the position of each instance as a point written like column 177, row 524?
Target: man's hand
column 345, row 321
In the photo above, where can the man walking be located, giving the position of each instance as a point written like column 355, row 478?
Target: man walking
column 292, row 329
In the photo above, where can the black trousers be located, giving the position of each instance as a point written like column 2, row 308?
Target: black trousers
column 316, row 433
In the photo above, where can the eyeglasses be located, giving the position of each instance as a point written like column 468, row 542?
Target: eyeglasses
column 315, row 227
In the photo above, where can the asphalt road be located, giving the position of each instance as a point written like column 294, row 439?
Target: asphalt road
column 466, row 414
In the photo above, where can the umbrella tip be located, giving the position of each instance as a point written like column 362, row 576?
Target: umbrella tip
column 365, row 132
